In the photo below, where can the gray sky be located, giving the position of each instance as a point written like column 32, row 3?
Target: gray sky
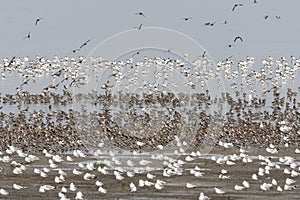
column 67, row 24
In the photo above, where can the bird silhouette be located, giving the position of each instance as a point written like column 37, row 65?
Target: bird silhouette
column 236, row 5
column 140, row 13
column 37, row 21
column 266, row 17
column 238, row 38
column 186, row 18
column 209, row 23
column 84, row 44
column 139, row 27
column 27, row 36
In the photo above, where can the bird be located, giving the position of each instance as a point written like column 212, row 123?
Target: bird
column 139, row 27
column 203, row 197
column 277, row 17
column 266, row 17
column 210, row 23
column 84, row 44
column 238, row 38
column 37, row 21
column 186, row 18
column 140, row 13
column 27, row 36
column 219, row 191
column 236, row 5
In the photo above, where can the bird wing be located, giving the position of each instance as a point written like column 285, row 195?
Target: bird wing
column 85, row 43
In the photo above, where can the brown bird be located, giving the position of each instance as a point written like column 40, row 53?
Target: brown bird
column 236, row 5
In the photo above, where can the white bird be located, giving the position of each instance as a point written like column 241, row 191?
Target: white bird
column 79, row 196
column 99, row 183
column 87, row 176
column 150, row 176
column 69, row 158
column 140, row 143
column 72, row 187
column 219, row 191
column 130, row 163
column 18, row 187
column 4, row 192
column 279, row 189
column 289, row 181
column 141, row 183
column 130, row 174
column 246, row 184
column 238, row 187
column 274, row 182
column 203, row 197
column 224, row 171
column 132, row 187
column 190, row 185
column 297, row 151
column 144, row 162
column 64, row 190
column 102, row 190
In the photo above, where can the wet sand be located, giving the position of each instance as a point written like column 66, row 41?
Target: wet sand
column 175, row 187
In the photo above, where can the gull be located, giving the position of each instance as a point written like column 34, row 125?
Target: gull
column 236, row 5
column 219, row 191
column 277, row 17
column 149, row 183
column 289, row 181
column 294, row 173
column 279, row 189
column 274, row 182
column 57, row 158
column 37, row 20
column 158, row 186
column 140, row 13
column 245, row 184
column 203, row 197
column 10, row 150
column 265, row 186
column 130, row 174
column 17, row 170
column 141, row 183
column 140, row 143
column 160, row 147
column 130, row 163
column 18, row 187
column 99, row 183
column 64, row 190
column 87, row 176
column 132, row 187
column 238, row 38
column 76, row 172
column 72, row 187
column 222, row 176
column 297, row 151
column 79, row 195
column 150, row 176
column 254, row 177
column 4, row 192
column 210, row 23
column 238, row 187
column 189, row 158
column 59, row 179
column 289, row 187
column 190, row 185
column 266, row 17
column 31, row 158
column 102, row 190
column 144, row 162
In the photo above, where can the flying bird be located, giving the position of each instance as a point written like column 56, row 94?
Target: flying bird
column 209, row 23
column 27, row 36
column 140, row 13
column 266, row 17
column 238, row 38
column 139, row 27
column 186, row 18
column 84, row 44
column 37, row 21
column 236, row 5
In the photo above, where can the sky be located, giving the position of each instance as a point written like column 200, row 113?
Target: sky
column 66, row 25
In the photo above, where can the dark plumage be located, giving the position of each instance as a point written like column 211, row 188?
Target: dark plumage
column 37, row 21
column 238, row 38
column 140, row 13
column 84, row 44
column 236, row 5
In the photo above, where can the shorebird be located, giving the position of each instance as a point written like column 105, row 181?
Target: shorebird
column 37, row 21
column 140, row 13
column 236, row 5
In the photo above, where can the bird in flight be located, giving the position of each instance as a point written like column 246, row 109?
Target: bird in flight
column 140, row 13
column 238, row 38
column 37, row 21
column 84, row 44
column 186, row 18
column 236, row 5
column 27, row 36
column 277, row 17
column 266, row 17
column 209, row 23
column 139, row 27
